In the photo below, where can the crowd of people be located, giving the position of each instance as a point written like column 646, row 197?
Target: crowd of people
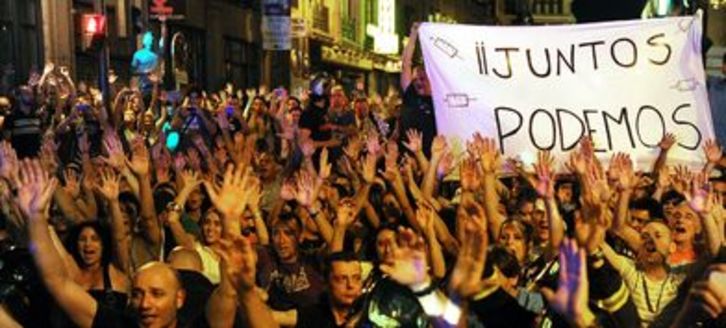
column 334, row 208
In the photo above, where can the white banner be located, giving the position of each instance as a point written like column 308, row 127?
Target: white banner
column 625, row 84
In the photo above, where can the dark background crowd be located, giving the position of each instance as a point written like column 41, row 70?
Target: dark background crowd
column 334, row 208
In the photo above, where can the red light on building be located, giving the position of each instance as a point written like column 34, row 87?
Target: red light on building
column 94, row 24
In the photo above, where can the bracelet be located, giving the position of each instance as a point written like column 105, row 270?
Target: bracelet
column 426, row 290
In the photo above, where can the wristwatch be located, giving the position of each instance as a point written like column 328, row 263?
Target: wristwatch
column 174, row 207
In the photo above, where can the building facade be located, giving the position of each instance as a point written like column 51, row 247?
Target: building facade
column 359, row 41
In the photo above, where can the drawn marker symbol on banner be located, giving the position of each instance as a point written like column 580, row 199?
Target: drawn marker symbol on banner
column 686, row 85
column 458, row 100
column 446, row 47
column 685, row 24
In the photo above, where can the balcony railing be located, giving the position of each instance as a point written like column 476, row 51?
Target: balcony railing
column 548, row 7
column 348, row 29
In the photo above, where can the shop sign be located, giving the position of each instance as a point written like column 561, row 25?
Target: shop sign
column 276, row 25
column 384, row 34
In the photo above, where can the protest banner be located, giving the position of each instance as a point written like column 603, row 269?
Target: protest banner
column 533, row 88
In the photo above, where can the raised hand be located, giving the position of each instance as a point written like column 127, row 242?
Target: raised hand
column 369, row 168
column 254, row 195
column 220, row 155
column 475, row 145
column 470, row 179
column 325, row 166
column 545, row 173
column 577, row 163
column 445, row 165
column 116, row 157
column 712, row 151
column 622, row 172
column 415, row 140
column 699, row 196
column 490, row 156
column 669, row 139
column 109, row 185
column 682, row 179
column 409, row 266
column 139, row 163
column 345, row 214
column 425, row 216
column 239, row 260
column 353, row 148
column 71, row 186
column 49, row 68
column 189, row 179
column 587, row 148
column 180, row 162
column 35, row 189
column 439, row 147
column 598, row 190
column 9, row 167
column 466, row 277
column 193, row 159
column 230, row 198
column 570, row 299
column 305, row 189
column 287, row 191
column 49, row 154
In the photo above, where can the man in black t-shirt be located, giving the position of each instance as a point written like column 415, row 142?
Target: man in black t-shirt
column 314, row 121
column 345, row 284
column 418, row 107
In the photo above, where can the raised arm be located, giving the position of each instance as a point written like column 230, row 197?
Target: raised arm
column 238, row 268
column 426, row 217
column 415, row 145
column 713, row 153
column 704, row 203
column 230, row 198
column 109, row 189
column 407, row 57
column 490, row 162
column 263, row 234
column 190, row 182
column 665, row 144
column 622, row 167
column 345, row 216
column 140, row 166
column 545, row 187
column 34, row 195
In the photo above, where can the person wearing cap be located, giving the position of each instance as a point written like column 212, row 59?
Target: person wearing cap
column 314, row 121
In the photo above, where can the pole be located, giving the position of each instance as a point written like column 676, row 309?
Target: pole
column 100, row 7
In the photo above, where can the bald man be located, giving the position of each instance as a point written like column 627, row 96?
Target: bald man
column 197, row 287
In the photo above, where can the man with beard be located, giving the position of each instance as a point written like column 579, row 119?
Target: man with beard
column 649, row 279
